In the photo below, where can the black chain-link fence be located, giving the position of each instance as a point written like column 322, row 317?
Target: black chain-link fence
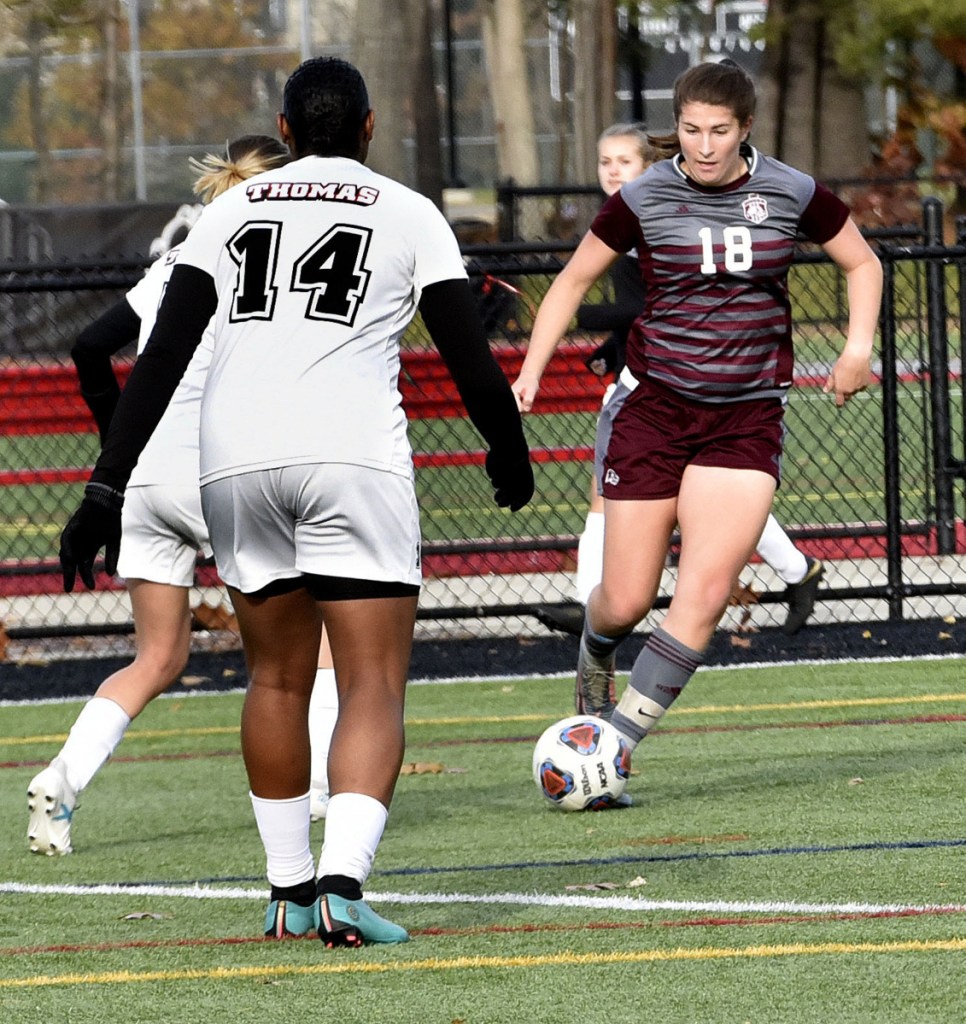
column 873, row 489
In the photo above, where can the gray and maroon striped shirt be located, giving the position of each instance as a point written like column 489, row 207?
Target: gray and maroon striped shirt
column 716, row 323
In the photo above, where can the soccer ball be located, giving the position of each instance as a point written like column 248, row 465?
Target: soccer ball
column 581, row 763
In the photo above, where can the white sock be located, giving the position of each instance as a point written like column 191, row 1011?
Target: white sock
column 776, row 548
column 354, row 825
column 323, row 711
column 590, row 556
column 284, row 828
column 93, row 737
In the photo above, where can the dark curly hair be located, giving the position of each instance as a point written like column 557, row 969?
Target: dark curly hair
column 326, row 103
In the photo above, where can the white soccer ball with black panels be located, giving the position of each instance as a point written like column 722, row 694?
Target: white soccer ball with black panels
column 581, row 763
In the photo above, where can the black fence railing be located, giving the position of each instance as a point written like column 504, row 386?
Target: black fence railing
column 874, row 489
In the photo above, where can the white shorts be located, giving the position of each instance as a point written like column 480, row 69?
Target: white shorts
column 335, row 520
column 162, row 531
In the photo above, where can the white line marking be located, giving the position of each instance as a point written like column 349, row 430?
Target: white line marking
column 628, row 903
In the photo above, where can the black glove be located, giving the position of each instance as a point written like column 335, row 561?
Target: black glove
column 512, row 479
column 96, row 524
column 605, row 358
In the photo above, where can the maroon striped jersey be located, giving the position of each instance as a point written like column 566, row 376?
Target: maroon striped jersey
column 716, row 323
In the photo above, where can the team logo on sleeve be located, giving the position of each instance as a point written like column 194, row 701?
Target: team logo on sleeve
column 755, row 208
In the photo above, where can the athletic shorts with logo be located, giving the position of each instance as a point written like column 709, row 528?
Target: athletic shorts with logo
column 647, row 435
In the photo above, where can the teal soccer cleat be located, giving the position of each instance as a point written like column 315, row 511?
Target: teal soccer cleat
column 345, row 922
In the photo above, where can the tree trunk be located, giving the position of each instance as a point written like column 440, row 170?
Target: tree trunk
column 504, row 41
column 595, row 40
column 381, row 52
column 429, row 151
column 810, row 114
column 35, row 36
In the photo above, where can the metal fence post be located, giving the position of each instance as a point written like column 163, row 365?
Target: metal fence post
column 932, row 213
column 506, row 210
column 890, row 439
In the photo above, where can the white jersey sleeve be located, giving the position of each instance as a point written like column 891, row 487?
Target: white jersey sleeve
column 171, row 455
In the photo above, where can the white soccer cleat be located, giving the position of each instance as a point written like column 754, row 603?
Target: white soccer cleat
column 318, row 803
column 51, row 803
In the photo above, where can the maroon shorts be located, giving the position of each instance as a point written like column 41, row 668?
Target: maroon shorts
column 658, row 432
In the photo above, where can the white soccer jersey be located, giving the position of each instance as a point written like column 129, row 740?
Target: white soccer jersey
column 318, row 267
column 171, row 456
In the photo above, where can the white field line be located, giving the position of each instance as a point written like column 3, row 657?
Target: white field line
column 619, row 903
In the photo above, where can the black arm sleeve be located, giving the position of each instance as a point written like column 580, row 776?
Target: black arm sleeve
column 189, row 303
column 91, row 354
column 628, row 300
column 452, row 318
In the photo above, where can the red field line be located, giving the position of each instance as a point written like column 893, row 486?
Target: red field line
column 495, row 929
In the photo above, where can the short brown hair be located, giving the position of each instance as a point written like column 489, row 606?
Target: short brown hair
column 719, row 84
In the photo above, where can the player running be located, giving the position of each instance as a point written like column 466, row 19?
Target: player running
column 162, row 528
column 697, row 443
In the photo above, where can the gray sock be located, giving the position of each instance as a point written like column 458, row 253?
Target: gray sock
column 659, row 675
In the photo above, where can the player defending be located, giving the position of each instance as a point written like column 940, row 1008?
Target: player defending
column 162, row 528
column 313, row 272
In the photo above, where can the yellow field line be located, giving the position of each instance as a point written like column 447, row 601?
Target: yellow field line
column 727, row 709
column 702, row 709
column 563, row 959
column 144, row 734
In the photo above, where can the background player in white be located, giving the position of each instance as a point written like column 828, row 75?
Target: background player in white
column 162, row 529
column 697, row 443
column 312, row 273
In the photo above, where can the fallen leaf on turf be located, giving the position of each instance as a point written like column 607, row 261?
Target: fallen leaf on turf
column 228, row 673
column 145, row 915
column 866, row 634
column 856, row 782
column 591, row 887
column 949, row 619
column 743, row 596
column 506, row 689
column 194, row 680
column 740, row 641
column 944, row 636
column 421, row 768
column 635, row 882
column 214, row 617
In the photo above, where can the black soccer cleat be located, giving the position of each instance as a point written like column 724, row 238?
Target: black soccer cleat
column 801, row 597
column 562, row 618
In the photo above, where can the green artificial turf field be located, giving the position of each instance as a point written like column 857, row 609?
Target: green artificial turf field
column 796, row 852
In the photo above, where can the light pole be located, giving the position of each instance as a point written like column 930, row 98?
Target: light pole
column 137, row 105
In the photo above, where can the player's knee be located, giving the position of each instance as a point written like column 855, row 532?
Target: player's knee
column 163, row 663
column 620, row 610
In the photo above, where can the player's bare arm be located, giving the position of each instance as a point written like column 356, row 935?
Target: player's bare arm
column 591, row 260
column 852, row 371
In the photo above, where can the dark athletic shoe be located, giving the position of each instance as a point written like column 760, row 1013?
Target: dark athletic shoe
column 595, row 692
column 801, row 597
column 563, row 618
